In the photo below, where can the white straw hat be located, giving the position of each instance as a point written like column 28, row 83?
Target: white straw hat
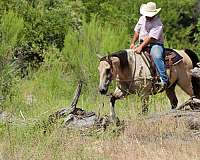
column 149, row 9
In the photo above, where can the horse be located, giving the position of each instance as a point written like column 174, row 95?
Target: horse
column 132, row 74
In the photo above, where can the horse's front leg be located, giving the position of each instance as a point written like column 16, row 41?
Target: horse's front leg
column 116, row 95
column 112, row 108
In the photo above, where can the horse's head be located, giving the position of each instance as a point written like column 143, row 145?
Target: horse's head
column 105, row 73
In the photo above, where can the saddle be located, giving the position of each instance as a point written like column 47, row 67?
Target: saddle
column 171, row 58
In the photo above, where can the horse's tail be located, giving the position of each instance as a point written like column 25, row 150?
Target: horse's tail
column 195, row 81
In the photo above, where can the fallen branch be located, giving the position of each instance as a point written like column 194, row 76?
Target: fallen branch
column 188, row 113
column 196, row 71
column 78, row 118
column 76, row 96
column 193, row 103
column 68, row 110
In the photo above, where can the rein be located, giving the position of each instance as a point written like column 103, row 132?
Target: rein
column 133, row 75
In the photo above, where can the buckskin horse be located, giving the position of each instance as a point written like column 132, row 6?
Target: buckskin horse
column 133, row 76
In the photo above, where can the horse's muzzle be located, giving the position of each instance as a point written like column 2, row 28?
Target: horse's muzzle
column 103, row 91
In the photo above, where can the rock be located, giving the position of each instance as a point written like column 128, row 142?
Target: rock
column 4, row 116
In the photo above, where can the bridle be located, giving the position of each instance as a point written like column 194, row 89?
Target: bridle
column 109, row 61
column 132, row 80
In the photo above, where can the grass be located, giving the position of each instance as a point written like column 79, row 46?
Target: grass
column 26, row 139
column 32, row 99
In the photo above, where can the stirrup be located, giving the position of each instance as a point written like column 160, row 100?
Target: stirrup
column 161, row 87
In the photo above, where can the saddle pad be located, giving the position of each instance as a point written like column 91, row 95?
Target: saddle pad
column 172, row 57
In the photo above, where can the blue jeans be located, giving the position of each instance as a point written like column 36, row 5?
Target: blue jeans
column 157, row 53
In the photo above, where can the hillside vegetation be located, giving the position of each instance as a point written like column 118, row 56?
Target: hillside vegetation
column 47, row 46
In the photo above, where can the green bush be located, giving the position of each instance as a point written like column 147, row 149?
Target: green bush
column 10, row 28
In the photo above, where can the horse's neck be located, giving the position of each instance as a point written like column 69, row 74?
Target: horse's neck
column 136, row 68
column 124, row 74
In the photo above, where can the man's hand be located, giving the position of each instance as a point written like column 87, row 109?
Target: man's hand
column 132, row 46
column 138, row 50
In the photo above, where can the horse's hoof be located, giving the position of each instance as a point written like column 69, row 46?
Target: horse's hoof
column 115, row 120
column 145, row 111
column 173, row 107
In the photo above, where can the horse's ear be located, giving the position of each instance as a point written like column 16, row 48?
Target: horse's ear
column 108, row 58
column 99, row 56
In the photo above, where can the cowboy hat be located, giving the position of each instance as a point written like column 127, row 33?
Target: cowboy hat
column 149, row 9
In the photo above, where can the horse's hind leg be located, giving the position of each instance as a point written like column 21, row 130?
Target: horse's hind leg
column 145, row 104
column 186, row 85
column 172, row 96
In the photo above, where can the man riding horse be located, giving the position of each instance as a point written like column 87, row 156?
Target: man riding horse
column 133, row 72
column 149, row 31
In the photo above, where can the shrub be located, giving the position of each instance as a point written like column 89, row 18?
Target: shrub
column 10, row 27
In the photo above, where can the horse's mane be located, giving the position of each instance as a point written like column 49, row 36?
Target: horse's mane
column 122, row 55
